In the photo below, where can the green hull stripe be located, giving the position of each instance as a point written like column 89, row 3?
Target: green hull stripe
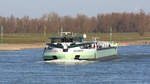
column 83, row 55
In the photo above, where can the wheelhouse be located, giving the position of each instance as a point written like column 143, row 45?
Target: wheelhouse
column 66, row 39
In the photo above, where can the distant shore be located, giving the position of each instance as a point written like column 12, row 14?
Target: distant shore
column 7, row 47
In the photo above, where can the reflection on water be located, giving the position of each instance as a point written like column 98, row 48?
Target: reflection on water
column 28, row 67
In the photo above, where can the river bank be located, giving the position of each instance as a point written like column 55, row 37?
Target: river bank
column 6, row 47
column 140, row 42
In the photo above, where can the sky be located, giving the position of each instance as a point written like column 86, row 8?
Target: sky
column 37, row 8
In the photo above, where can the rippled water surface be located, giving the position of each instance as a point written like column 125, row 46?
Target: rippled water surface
column 27, row 67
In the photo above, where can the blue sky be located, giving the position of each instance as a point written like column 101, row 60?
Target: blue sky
column 36, row 8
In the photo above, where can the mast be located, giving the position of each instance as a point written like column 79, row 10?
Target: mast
column 110, row 39
column 45, row 29
column 61, row 30
column 2, row 35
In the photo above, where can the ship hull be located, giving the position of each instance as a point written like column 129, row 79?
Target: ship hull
column 93, row 54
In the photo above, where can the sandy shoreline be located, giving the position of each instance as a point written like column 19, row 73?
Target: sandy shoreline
column 6, row 47
column 21, row 46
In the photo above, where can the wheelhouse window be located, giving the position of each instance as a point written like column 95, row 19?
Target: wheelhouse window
column 55, row 40
column 66, row 39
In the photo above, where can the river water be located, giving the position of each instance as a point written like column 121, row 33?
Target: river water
column 26, row 67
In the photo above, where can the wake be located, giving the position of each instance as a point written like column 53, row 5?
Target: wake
column 68, row 62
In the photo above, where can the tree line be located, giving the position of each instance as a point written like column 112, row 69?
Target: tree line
column 120, row 22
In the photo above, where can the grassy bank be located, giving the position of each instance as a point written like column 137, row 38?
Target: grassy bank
column 28, row 38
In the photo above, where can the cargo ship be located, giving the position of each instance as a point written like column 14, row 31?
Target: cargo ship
column 76, row 48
